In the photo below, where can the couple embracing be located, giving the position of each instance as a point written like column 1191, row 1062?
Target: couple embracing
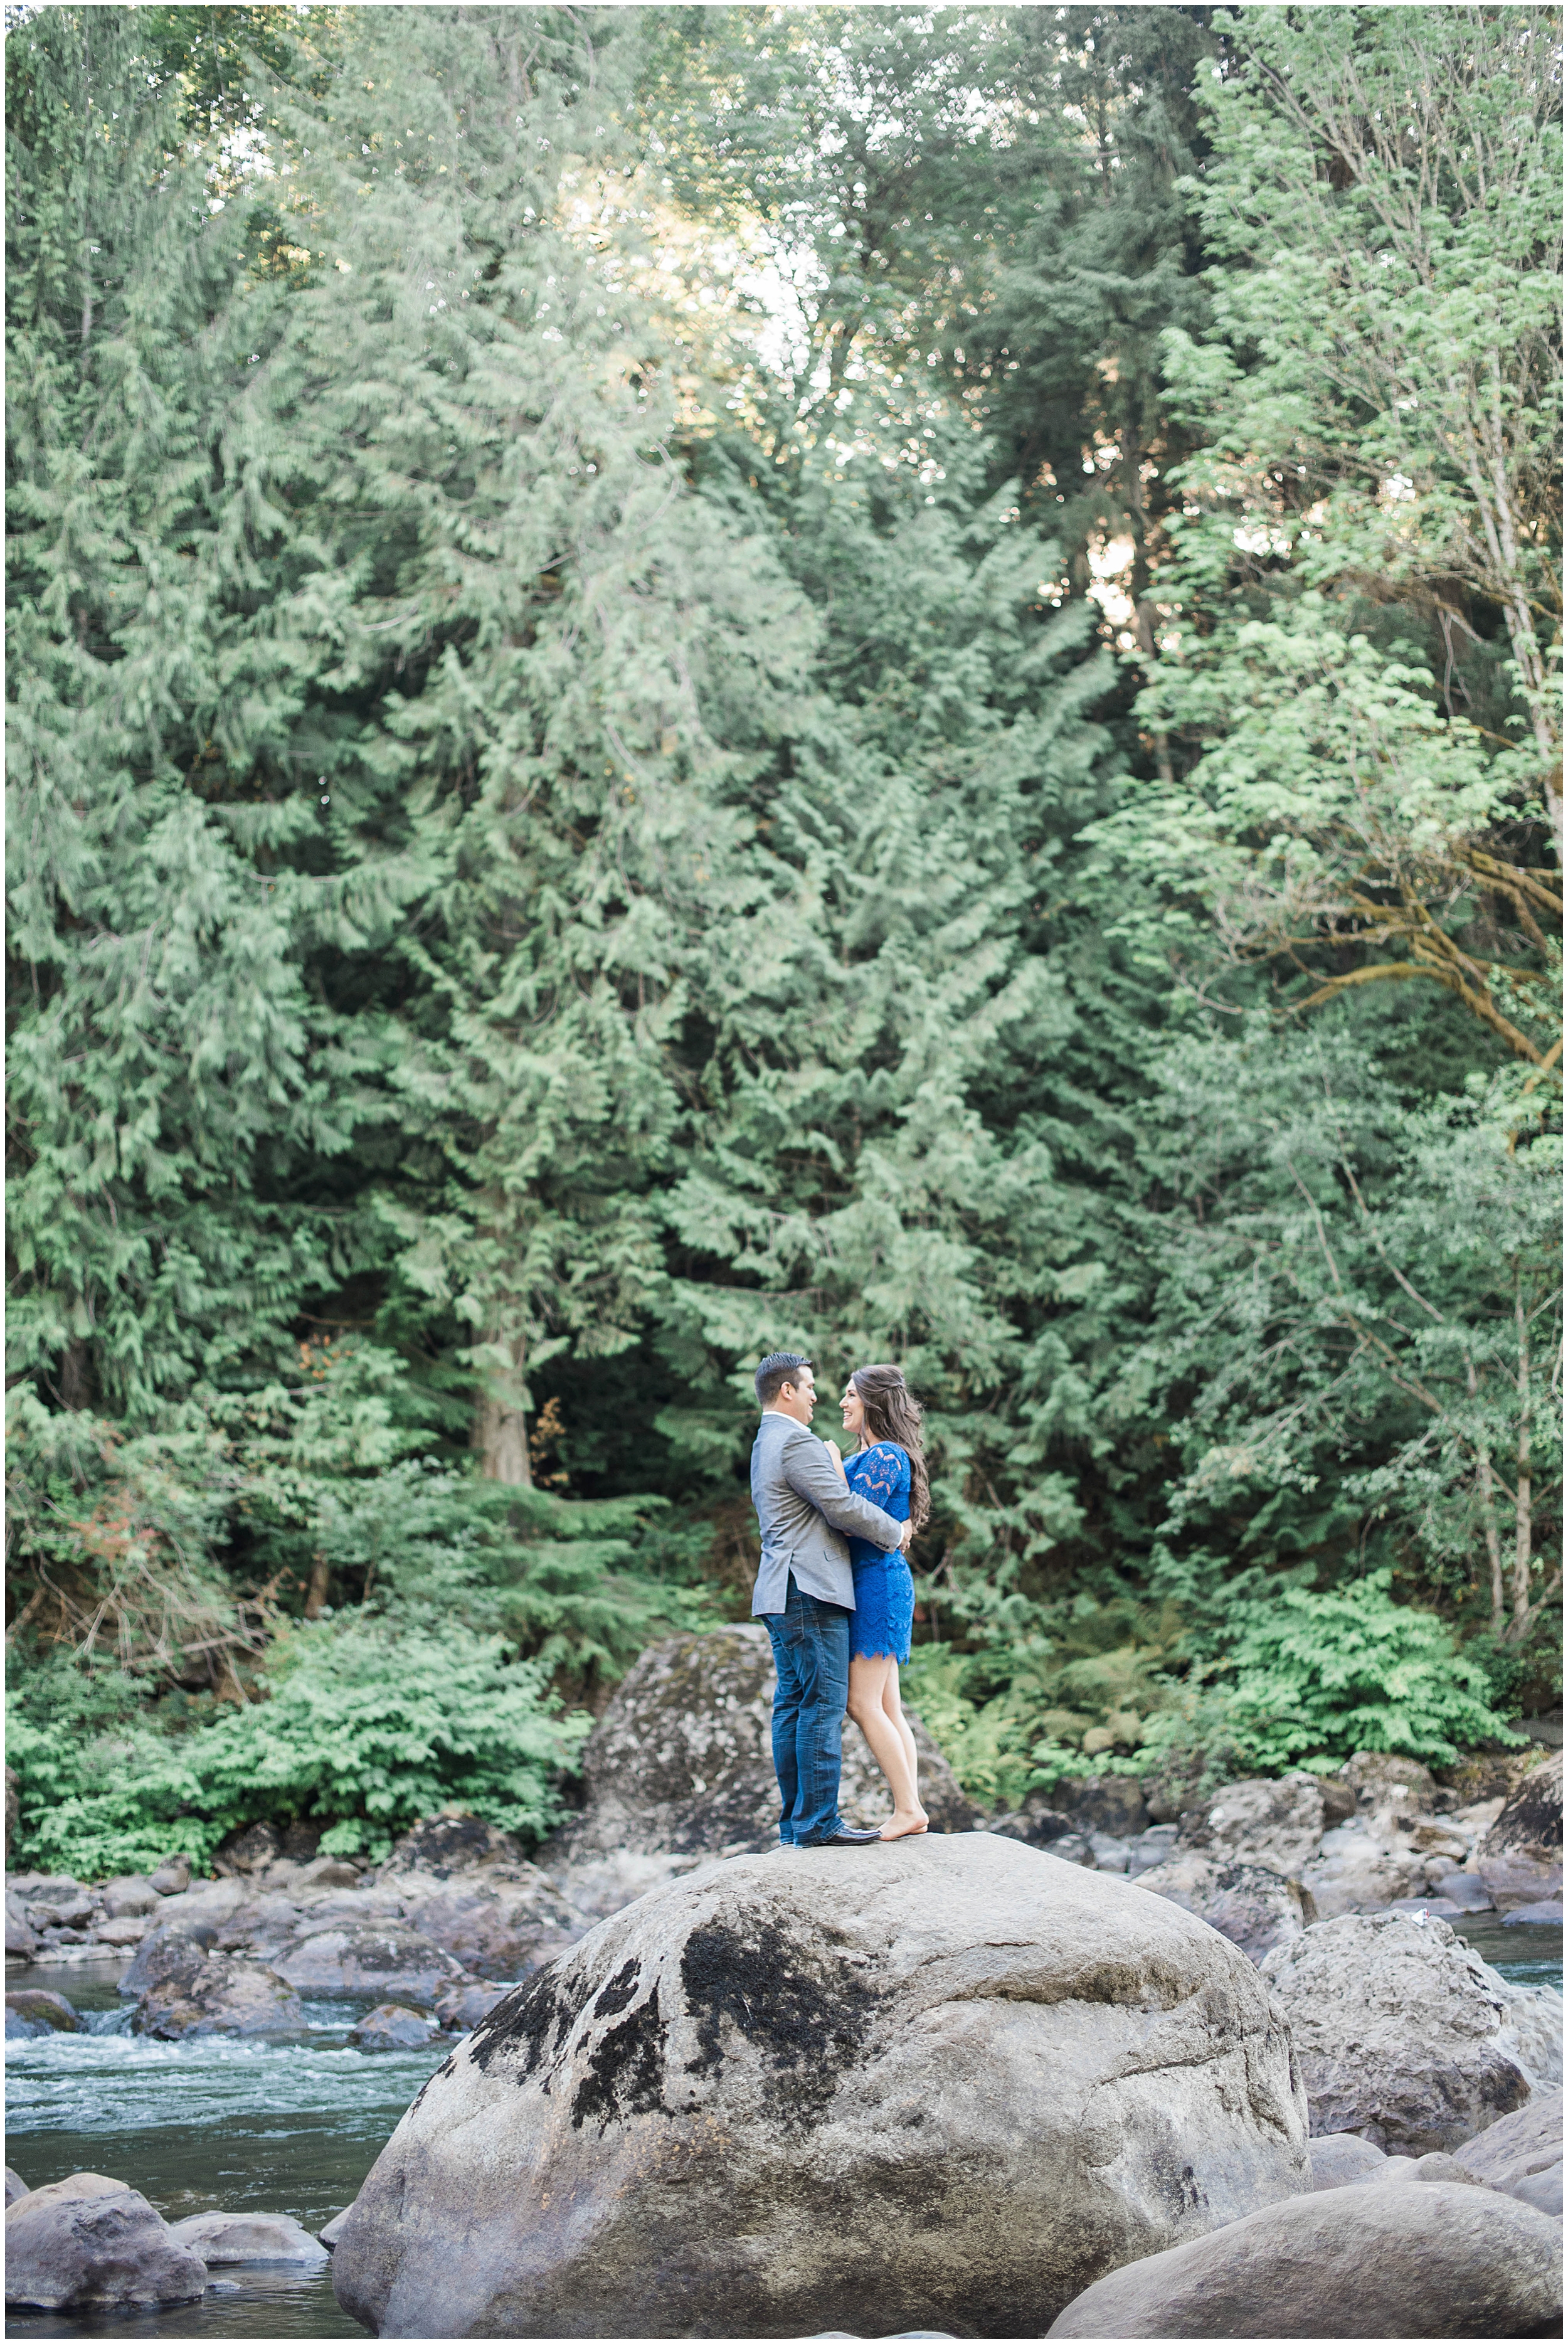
column 835, row 1589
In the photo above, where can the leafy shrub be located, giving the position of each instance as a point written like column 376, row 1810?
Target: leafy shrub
column 1314, row 1677
column 367, row 1727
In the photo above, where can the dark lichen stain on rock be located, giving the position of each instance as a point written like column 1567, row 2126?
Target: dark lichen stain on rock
column 621, row 1990
column 523, row 2026
column 625, row 2074
column 806, row 2017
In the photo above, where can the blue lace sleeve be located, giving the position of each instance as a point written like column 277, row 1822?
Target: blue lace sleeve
column 881, row 1475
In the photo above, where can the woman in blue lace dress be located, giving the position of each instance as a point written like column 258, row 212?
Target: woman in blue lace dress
column 887, row 1466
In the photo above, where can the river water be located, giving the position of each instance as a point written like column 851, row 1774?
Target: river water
column 290, row 2128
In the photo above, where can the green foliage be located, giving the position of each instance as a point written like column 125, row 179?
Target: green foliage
column 365, row 1726
column 1315, row 1678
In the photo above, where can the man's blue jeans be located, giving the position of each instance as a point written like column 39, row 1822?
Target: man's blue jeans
column 811, row 1651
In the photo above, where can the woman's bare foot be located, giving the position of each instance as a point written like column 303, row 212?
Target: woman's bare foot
column 906, row 1825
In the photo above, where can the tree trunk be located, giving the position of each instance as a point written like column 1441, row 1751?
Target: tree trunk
column 1522, row 1527
column 500, row 1424
column 316, row 1593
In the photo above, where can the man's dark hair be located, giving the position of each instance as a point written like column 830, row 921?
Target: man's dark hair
column 780, row 1367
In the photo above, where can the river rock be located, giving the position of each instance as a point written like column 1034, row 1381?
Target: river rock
column 1380, row 1779
column 118, row 1934
column 444, row 1845
column 23, row 2030
column 1251, row 1903
column 679, row 1768
column 1521, row 1858
column 1523, row 2154
column 129, row 1894
column 1360, row 2261
column 48, row 2010
column 462, row 2006
column 1113, row 1803
column 1535, row 1916
column 14, row 2186
column 251, row 1849
column 499, row 1928
column 21, row 1937
column 382, row 1957
column 90, row 2240
column 172, row 1875
column 393, row 2026
column 227, row 2239
column 224, row 1996
column 1278, row 1825
column 68, row 1909
column 1339, row 2159
column 325, row 1872
column 1363, row 1866
column 169, row 1956
column 1405, row 2035
column 940, row 2084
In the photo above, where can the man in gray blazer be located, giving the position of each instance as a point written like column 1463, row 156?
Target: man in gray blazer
column 804, row 1594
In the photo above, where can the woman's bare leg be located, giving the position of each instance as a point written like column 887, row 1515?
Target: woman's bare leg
column 908, row 1825
column 892, row 1702
column 868, row 1679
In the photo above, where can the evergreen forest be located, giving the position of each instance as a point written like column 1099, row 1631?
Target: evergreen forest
column 686, row 680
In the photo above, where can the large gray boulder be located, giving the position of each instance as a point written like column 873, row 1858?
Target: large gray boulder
column 1523, row 2154
column 1521, row 1858
column 1405, row 2035
column 1367, row 2261
column 679, row 1769
column 45, row 2010
column 92, row 2240
column 385, row 1958
column 1275, row 1823
column 938, row 2084
column 223, row 1996
column 1251, row 1903
column 223, row 2240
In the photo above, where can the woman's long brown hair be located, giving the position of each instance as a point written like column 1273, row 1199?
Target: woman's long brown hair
column 893, row 1413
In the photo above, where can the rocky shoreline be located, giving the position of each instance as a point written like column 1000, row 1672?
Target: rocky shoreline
column 1406, row 2051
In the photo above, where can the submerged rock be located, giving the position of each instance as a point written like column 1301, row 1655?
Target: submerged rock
column 91, row 2240
column 1367, row 2260
column 222, row 2240
column 941, row 2083
column 224, row 1996
column 1406, row 2036
column 1256, row 1907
